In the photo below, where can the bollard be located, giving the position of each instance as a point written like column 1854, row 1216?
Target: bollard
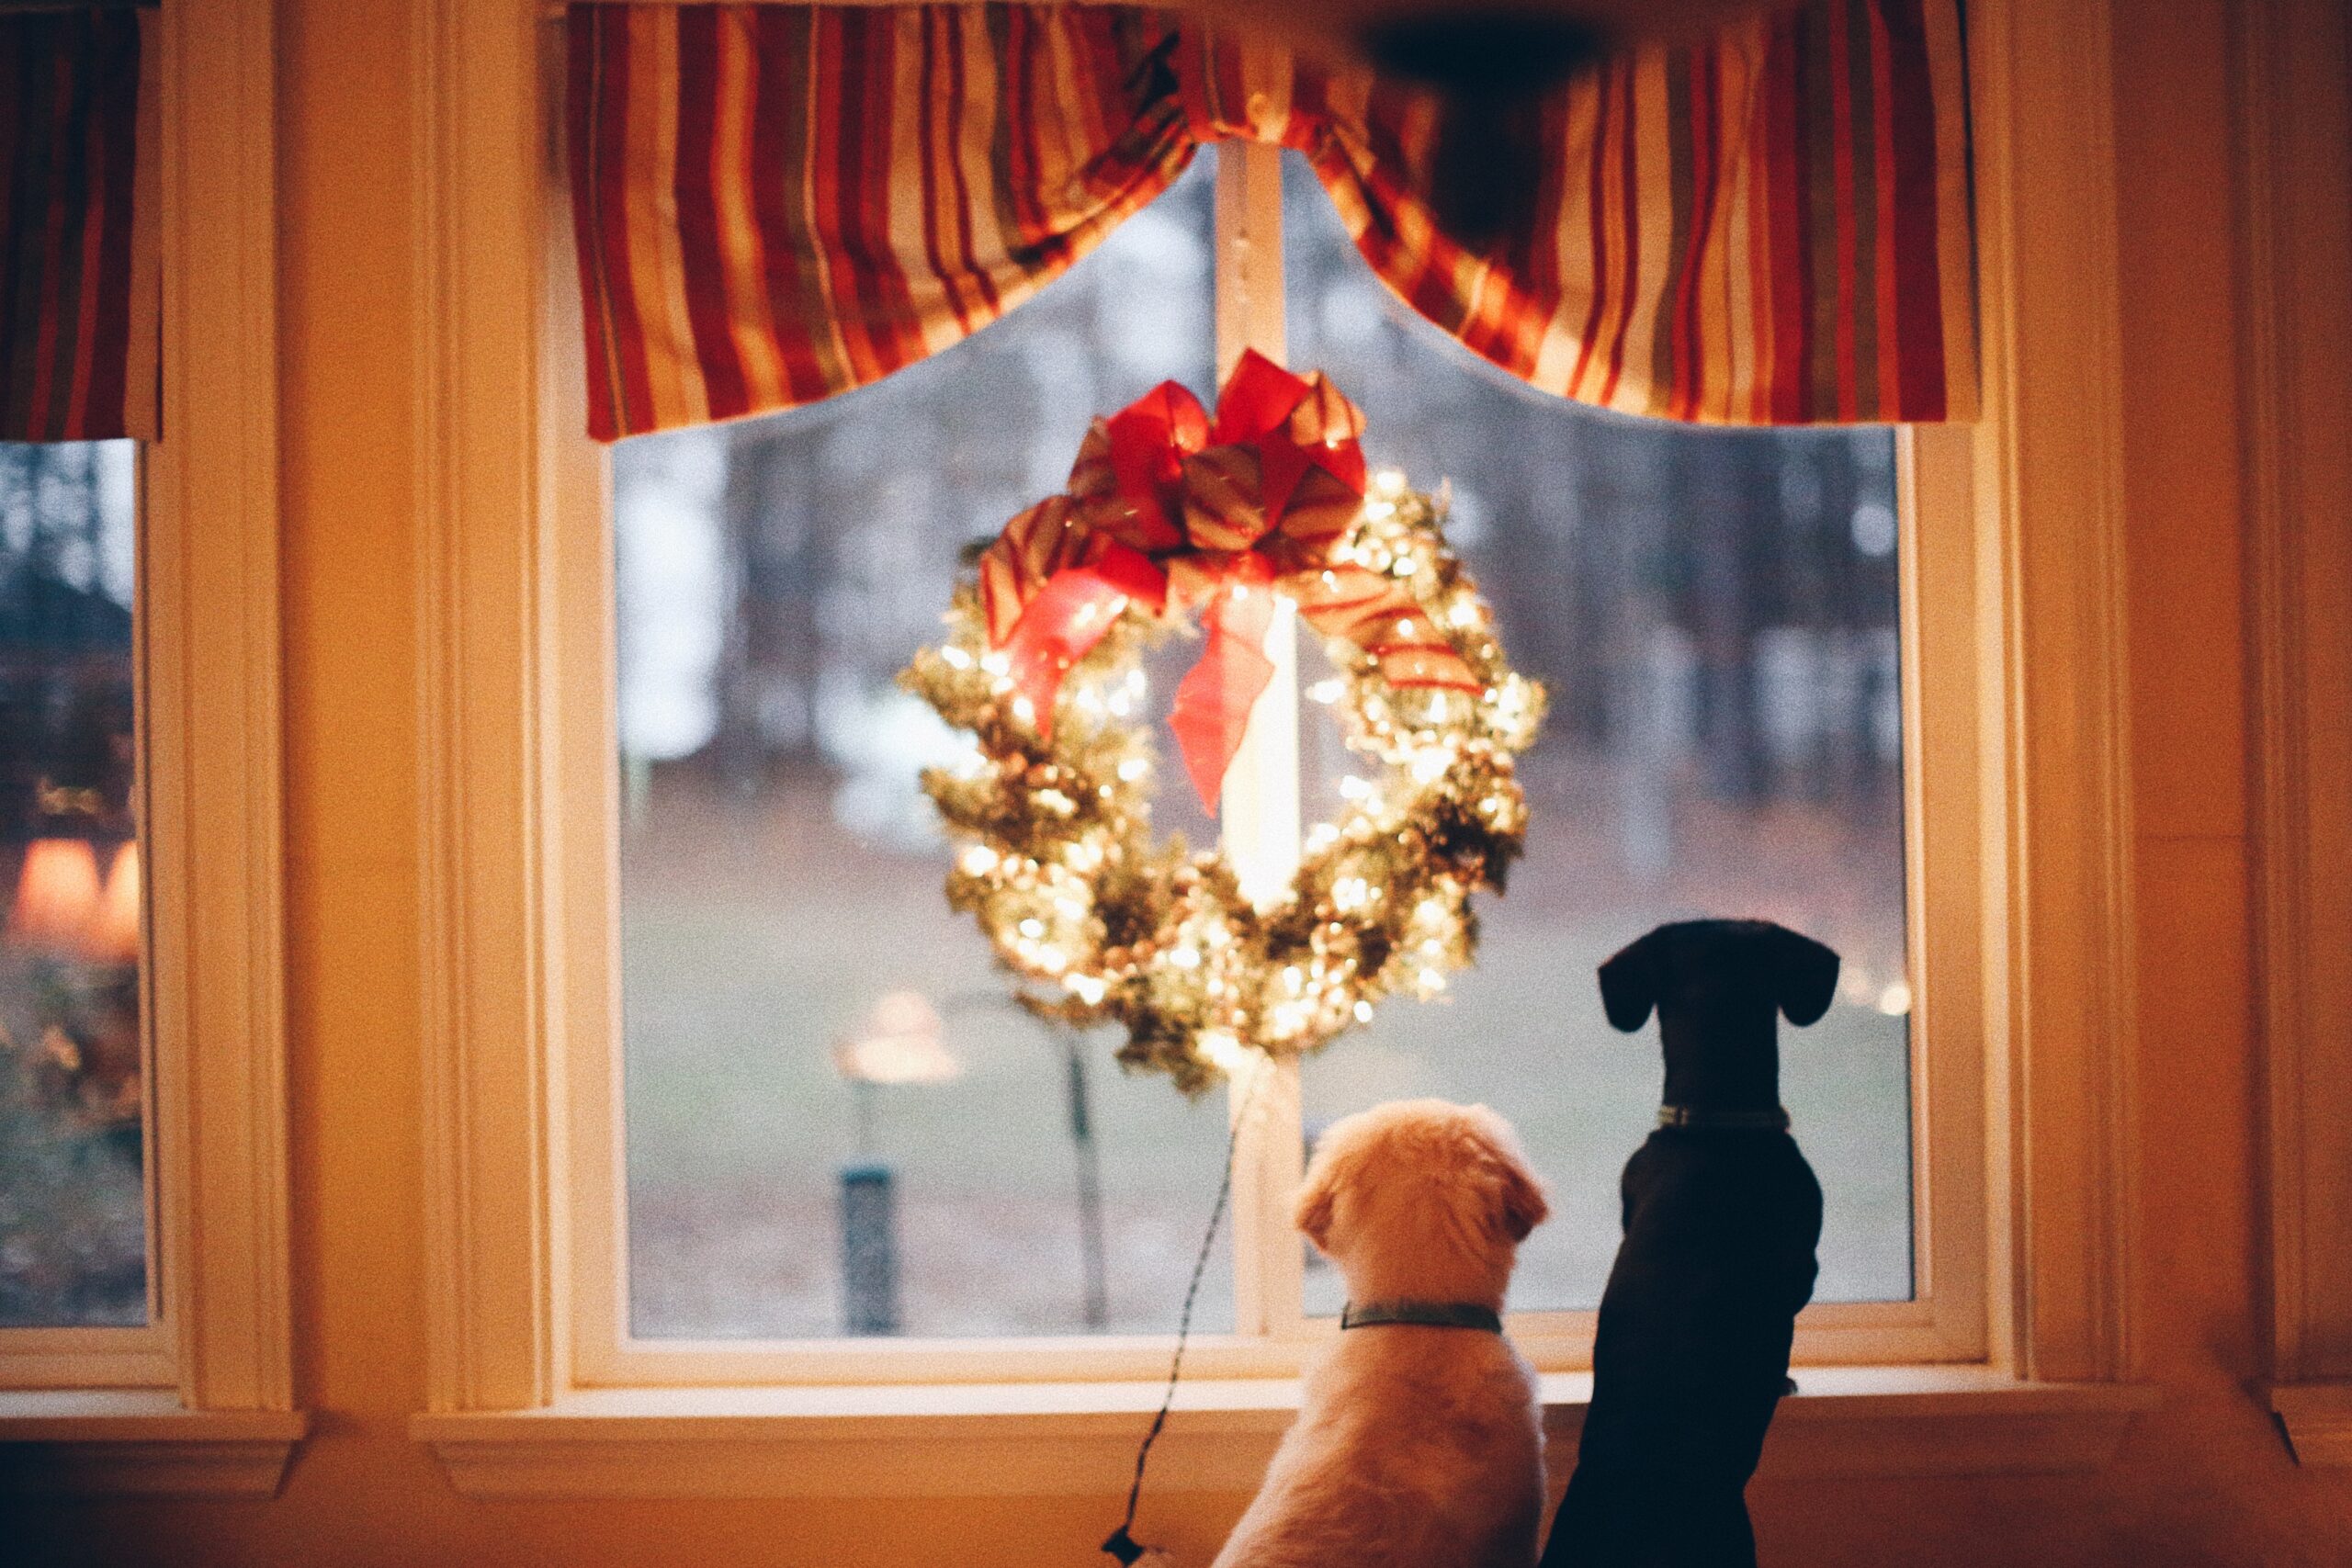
column 869, row 1250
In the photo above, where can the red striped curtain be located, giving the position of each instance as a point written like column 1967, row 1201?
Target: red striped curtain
column 78, row 300
column 774, row 204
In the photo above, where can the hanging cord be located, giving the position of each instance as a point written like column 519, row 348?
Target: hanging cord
column 1121, row 1544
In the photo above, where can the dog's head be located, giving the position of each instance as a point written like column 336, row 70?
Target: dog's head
column 1716, row 986
column 1421, row 1198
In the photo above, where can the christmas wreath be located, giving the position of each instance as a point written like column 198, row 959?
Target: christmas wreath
column 1170, row 511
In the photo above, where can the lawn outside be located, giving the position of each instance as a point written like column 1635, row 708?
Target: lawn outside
column 757, row 933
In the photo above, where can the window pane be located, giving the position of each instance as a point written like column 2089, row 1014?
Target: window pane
column 781, row 871
column 73, row 1203
column 1715, row 613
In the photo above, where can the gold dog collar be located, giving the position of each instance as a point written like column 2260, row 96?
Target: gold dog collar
column 1700, row 1118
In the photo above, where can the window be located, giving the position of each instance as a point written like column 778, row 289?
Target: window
column 2016, row 869
column 141, row 978
column 834, row 1122
column 74, row 1221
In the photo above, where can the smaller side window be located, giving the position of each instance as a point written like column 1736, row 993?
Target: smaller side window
column 73, row 1216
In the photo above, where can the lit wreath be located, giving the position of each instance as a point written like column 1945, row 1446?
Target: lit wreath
column 1169, row 512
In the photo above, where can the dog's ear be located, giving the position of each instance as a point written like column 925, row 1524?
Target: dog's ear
column 1317, row 1196
column 1519, row 1206
column 1807, row 976
column 1314, row 1217
column 1629, row 983
column 1516, row 1200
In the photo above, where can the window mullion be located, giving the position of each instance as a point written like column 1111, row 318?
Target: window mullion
column 1260, row 804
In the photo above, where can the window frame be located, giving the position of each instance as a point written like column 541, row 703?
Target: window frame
column 1944, row 1321
column 516, row 947
column 199, row 1400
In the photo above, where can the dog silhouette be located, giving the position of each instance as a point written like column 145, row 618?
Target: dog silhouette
column 1722, row 1216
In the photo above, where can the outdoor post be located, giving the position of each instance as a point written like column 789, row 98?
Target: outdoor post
column 869, row 1229
column 1090, row 1185
column 869, row 1250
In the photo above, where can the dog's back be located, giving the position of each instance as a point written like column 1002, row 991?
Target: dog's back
column 1721, row 1227
column 1415, row 1447
column 1418, row 1442
column 1691, row 1352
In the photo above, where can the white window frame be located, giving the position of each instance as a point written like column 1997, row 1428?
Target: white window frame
column 199, row 1400
column 1944, row 1322
column 2015, row 766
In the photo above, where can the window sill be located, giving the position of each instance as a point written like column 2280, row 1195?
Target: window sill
column 2318, row 1419
column 1079, row 1438
column 140, row 1443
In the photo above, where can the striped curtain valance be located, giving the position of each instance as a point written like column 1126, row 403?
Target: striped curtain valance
column 79, row 310
column 776, row 204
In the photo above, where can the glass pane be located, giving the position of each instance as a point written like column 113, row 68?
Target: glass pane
column 73, row 1195
column 783, row 927
column 1715, row 613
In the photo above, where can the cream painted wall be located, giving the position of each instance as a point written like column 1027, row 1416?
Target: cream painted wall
column 2205, row 1480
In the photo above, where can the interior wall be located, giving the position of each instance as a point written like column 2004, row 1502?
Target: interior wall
column 2206, row 1479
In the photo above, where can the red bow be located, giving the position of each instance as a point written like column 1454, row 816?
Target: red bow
column 1169, row 510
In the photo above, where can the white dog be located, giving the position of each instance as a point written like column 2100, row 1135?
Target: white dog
column 1419, row 1444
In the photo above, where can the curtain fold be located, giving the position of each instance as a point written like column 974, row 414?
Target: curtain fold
column 78, row 300
column 773, row 204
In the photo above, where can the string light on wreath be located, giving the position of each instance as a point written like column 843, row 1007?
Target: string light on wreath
column 1171, row 514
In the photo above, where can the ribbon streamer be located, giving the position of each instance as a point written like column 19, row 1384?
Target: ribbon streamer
column 1171, row 510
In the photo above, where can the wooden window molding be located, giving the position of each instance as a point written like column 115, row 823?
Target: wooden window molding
column 204, row 1405
column 517, row 958
column 2294, row 164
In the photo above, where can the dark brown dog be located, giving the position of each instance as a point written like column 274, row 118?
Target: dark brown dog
column 1722, row 1215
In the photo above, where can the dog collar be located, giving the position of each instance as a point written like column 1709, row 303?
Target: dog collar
column 1426, row 1314
column 1699, row 1118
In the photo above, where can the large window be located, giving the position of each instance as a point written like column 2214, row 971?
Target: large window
column 836, row 1125
column 2014, row 937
